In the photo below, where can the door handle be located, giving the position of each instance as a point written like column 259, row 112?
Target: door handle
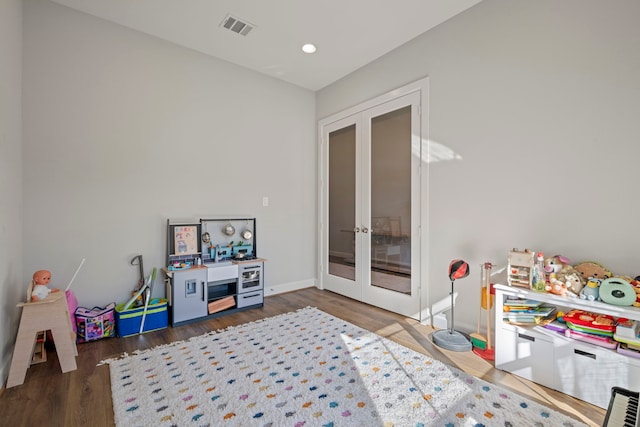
column 356, row 230
column 365, row 230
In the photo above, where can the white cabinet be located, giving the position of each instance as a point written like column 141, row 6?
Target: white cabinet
column 546, row 357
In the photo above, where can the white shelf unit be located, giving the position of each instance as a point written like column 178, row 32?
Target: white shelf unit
column 585, row 371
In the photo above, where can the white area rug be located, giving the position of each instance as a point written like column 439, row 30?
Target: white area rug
column 307, row 368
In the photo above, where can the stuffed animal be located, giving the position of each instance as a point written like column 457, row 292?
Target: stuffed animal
column 555, row 264
column 563, row 278
column 555, row 286
column 591, row 291
column 592, row 269
column 573, row 282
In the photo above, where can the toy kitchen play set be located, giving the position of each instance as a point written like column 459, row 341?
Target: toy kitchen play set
column 212, row 268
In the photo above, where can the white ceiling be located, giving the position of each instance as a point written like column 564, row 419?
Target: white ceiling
column 348, row 33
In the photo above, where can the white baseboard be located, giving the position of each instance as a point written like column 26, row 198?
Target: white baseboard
column 288, row 287
column 440, row 321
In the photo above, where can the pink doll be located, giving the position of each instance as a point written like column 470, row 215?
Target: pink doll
column 41, row 289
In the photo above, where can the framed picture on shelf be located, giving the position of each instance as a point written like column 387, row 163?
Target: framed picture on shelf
column 186, row 239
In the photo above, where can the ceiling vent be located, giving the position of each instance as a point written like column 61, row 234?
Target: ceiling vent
column 236, row 25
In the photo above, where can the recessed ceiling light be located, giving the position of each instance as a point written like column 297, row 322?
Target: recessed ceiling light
column 309, row 48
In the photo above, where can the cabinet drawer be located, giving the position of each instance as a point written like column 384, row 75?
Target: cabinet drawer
column 223, row 272
column 528, row 355
column 584, row 371
column 249, row 298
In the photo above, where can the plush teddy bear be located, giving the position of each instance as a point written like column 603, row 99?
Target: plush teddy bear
column 573, row 282
column 593, row 274
column 592, row 269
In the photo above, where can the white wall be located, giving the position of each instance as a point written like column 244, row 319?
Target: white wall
column 12, row 286
column 123, row 130
column 535, row 107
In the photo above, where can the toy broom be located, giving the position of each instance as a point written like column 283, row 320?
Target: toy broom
column 477, row 339
column 147, row 298
column 482, row 346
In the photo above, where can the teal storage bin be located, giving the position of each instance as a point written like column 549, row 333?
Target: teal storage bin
column 128, row 321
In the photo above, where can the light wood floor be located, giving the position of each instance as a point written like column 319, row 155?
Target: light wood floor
column 83, row 397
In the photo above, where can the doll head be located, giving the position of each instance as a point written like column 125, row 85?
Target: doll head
column 42, row 277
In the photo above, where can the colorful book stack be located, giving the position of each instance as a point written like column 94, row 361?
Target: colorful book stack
column 524, row 311
column 593, row 328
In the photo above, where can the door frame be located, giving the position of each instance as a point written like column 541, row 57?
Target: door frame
column 420, row 86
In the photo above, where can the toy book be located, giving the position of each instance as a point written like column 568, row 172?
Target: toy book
column 556, row 326
column 540, row 315
column 606, row 342
column 588, row 330
column 628, row 351
column 603, row 323
column 520, row 302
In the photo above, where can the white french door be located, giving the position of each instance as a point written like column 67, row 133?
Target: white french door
column 370, row 203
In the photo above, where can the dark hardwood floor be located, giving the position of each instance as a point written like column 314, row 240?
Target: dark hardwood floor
column 83, row 397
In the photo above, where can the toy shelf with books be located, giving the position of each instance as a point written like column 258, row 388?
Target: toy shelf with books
column 584, row 360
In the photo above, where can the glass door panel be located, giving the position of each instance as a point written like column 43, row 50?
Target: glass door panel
column 342, row 200
column 391, row 159
column 391, row 200
column 341, row 243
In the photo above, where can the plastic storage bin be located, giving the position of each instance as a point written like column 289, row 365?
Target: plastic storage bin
column 128, row 321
